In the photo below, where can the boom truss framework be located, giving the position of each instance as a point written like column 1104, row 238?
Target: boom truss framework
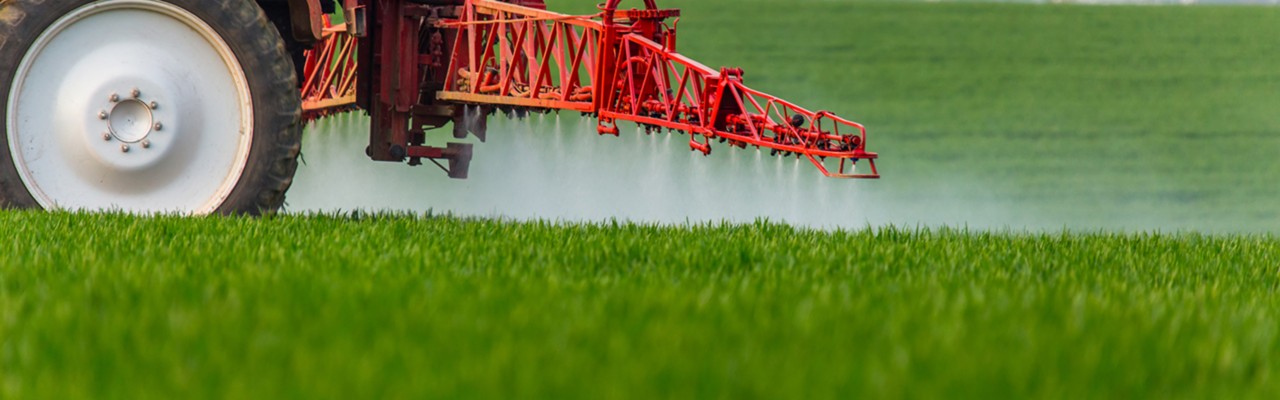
column 618, row 65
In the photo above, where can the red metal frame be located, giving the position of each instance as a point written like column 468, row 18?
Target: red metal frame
column 619, row 65
column 329, row 75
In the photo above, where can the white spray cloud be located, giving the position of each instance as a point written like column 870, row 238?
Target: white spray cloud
column 556, row 167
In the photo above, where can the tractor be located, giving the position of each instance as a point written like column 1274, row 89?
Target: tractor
column 198, row 107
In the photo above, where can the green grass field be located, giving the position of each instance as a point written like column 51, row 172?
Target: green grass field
column 1103, row 116
column 320, row 307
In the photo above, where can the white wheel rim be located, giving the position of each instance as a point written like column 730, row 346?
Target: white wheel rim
column 133, row 105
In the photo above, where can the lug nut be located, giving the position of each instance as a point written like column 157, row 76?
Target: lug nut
column 124, row 148
column 114, row 97
column 155, row 105
column 103, row 115
column 146, row 144
column 158, row 126
column 135, row 93
column 106, row 136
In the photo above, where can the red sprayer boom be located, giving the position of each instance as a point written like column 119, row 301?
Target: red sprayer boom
column 435, row 62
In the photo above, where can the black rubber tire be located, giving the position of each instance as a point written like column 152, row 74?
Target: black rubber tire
column 272, row 81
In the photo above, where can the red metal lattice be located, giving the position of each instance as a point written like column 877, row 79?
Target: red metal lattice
column 517, row 56
column 617, row 65
column 329, row 75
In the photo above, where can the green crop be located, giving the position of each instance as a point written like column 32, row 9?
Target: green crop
column 110, row 306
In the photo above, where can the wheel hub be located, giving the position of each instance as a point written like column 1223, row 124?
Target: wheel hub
column 130, row 121
column 127, row 133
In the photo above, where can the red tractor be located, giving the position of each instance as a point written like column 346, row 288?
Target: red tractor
column 197, row 106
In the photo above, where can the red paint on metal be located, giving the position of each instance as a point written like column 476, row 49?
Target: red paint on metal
column 619, row 65
column 329, row 80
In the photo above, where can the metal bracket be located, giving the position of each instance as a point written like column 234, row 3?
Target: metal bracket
column 357, row 21
column 458, row 155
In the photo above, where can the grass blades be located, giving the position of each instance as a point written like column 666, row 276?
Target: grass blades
column 111, row 306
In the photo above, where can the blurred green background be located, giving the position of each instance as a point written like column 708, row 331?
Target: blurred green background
column 1089, row 113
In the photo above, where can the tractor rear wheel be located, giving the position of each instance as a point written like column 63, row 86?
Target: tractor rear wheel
column 175, row 106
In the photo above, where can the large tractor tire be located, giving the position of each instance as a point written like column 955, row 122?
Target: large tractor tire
column 173, row 106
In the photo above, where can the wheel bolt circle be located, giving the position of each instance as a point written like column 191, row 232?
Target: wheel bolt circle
column 105, row 115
